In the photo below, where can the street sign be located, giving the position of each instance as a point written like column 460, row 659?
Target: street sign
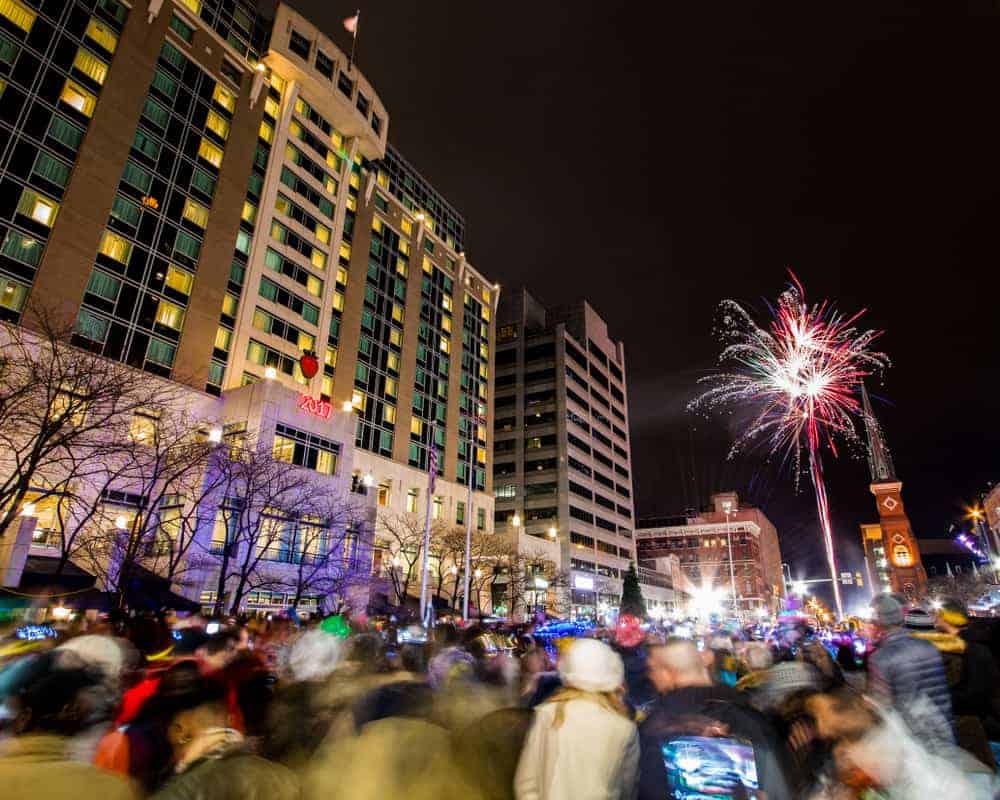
column 847, row 578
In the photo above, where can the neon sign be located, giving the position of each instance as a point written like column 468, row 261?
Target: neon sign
column 318, row 408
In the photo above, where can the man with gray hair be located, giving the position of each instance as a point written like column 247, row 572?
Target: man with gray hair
column 691, row 705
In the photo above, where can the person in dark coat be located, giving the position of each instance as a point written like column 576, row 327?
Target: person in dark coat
column 689, row 704
column 907, row 674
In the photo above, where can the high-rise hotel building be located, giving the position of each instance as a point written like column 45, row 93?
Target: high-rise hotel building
column 210, row 195
column 562, row 468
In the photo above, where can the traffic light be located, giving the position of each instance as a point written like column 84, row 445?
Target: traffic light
column 857, row 579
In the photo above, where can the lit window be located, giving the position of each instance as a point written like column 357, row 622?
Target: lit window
column 266, row 131
column 330, row 358
column 230, row 302
column 196, row 213
column 18, row 13
column 396, row 337
column 180, row 280
column 90, row 65
column 193, row 5
column 391, row 388
column 217, row 124
column 143, row 427
column 404, row 247
column 389, row 414
column 342, row 276
column 481, row 455
column 359, row 400
column 428, row 266
column 402, row 267
column 437, row 508
column 211, row 153
column 383, row 494
column 397, row 313
column 271, row 107
column 75, row 96
column 116, row 247
column 416, row 426
column 40, row 208
column 446, row 324
column 223, row 338
column 407, row 226
column 318, row 258
column 249, row 212
column 446, row 302
column 338, row 301
column 392, row 362
column 411, row 500
column 345, row 251
column 170, row 315
column 103, row 35
column 445, row 345
column 12, row 294
column 323, row 233
column 224, row 98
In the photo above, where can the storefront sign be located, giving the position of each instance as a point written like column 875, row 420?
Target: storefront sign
column 318, row 408
column 583, row 582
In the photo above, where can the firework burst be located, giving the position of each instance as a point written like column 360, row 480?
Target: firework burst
column 801, row 374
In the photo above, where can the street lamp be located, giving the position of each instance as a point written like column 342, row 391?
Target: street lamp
column 553, row 532
column 727, row 507
column 516, row 520
column 799, row 588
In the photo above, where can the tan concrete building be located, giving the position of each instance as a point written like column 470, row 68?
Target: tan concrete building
column 562, row 465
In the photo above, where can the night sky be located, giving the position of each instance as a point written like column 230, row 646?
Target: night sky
column 654, row 160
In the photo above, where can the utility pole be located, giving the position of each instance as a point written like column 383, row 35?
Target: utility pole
column 425, row 563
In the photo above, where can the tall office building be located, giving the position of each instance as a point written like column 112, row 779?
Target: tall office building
column 562, row 466
column 211, row 197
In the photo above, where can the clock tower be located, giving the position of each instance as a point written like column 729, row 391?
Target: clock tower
column 899, row 545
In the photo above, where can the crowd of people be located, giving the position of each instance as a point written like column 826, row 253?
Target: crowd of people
column 189, row 709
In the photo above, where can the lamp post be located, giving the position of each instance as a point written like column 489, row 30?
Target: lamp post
column 727, row 507
column 473, row 420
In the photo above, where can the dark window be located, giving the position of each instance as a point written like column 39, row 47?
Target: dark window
column 344, row 84
column 579, row 466
column 299, row 45
column 580, row 514
column 576, row 355
column 324, row 64
column 362, row 104
column 376, row 123
column 231, row 71
column 603, row 523
column 579, row 443
column 580, row 539
column 583, row 491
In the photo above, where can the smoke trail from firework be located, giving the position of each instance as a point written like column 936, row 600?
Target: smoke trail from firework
column 802, row 372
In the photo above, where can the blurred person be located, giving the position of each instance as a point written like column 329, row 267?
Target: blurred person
column 213, row 761
column 582, row 745
column 907, row 674
column 50, row 709
column 629, row 643
column 538, row 677
column 489, row 750
column 972, row 675
column 691, row 704
column 875, row 754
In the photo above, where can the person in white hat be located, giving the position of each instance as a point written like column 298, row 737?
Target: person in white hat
column 582, row 744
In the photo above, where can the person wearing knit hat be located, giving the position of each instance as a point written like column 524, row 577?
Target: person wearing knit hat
column 582, row 743
column 906, row 673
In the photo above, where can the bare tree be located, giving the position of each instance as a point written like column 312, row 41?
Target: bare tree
column 59, row 406
column 142, row 512
column 404, row 537
column 330, row 541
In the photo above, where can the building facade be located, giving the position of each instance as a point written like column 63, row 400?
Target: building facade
column 894, row 551
column 702, row 544
column 211, row 196
column 562, row 466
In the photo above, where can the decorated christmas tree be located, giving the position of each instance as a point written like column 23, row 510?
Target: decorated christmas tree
column 632, row 601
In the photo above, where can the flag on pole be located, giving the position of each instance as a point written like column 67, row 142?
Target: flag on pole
column 351, row 23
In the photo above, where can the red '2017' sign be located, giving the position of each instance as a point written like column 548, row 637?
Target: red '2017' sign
column 311, row 405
